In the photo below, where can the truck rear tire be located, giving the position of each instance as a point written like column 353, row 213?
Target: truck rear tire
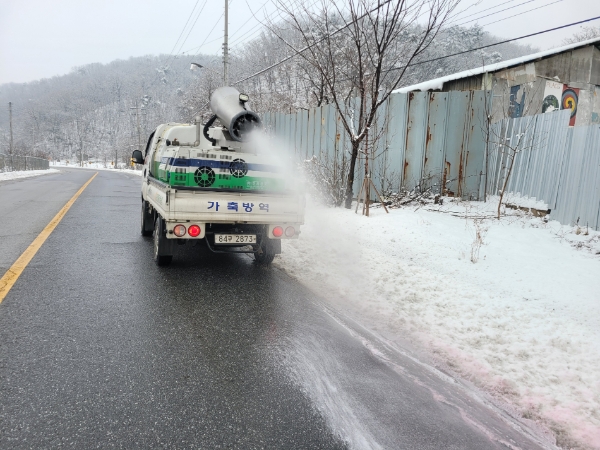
column 160, row 243
column 147, row 224
column 270, row 248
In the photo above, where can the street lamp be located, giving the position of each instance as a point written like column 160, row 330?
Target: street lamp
column 200, row 66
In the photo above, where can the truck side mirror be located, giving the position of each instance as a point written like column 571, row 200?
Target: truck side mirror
column 137, row 157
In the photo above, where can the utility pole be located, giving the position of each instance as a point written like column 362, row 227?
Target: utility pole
column 138, row 111
column 139, row 129
column 10, row 120
column 116, row 151
column 137, row 115
column 226, row 47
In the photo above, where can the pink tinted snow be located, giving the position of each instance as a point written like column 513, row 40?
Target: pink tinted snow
column 523, row 322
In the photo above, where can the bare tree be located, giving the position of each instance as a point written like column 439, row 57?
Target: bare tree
column 510, row 148
column 362, row 50
column 509, row 151
column 585, row 34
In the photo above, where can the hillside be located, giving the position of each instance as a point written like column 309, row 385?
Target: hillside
column 90, row 112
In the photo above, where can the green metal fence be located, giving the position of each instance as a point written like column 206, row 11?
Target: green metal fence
column 11, row 163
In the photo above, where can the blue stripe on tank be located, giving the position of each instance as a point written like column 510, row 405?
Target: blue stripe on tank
column 192, row 162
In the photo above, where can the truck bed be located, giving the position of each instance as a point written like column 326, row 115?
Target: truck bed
column 178, row 203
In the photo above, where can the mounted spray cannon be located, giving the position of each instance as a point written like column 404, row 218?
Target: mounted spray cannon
column 229, row 106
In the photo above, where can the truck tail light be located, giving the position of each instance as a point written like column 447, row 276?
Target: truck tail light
column 290, row 232
column 278, row 232
column 179, row 230
column 194, row 230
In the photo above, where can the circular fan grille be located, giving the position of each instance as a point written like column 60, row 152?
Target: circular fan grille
column 204, row 176
column 238, row 168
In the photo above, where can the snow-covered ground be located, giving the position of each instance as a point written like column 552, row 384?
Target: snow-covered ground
column 56, row 165
column 96, row 166
column 513, row 305
column 24, row 174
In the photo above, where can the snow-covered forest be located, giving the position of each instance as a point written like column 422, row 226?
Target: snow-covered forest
column 91, row 113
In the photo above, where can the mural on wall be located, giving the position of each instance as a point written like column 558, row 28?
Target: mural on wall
column 570, row 98
column 552, row 96
column 515, row 108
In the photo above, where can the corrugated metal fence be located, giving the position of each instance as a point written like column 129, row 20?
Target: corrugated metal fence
column 439, row 139
column 424, row 139
column 10, row 163
column 554, row 163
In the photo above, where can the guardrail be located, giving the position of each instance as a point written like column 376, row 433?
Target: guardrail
column 12, row 163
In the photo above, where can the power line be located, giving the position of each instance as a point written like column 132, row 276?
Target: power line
column 184, row 27
column 242, row 27
column 240, row 39
column 209, row 33
column 272, row 66
column 515, row 15
column 204, row 41
column 251, row 31
column 172, row 56
column 468, row 51
column 297, row 52
column 451, row 18
column 490, row 14
column 194, row 24
column 195, row 49
column 233, row 44
column 497, row 43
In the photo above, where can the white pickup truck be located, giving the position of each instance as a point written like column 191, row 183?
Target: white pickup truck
column 214, row 183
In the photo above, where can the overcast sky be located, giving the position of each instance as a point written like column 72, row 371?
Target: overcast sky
column 44, row 38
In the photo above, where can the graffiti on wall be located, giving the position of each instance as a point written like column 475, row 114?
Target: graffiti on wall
column 570, row 98
column 517, row 103
column 560, row 96
column 552, row 96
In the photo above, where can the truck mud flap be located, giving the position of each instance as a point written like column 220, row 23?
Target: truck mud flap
column 164, row 247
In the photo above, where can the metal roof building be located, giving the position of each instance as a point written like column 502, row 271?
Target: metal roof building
column 567, row 77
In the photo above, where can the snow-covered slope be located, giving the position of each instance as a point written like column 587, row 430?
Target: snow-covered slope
column 522, row 322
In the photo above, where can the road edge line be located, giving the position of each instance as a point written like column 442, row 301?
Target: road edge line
column 12, row 275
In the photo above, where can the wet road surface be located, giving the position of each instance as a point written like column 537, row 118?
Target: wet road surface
column 101, row 348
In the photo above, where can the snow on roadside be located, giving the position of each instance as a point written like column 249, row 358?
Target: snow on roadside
column 522, row 322
column 24, row 174
column 96, row 166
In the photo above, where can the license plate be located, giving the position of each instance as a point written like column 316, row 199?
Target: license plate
column 235, row 239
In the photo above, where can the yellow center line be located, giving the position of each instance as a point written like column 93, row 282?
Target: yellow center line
column 12, row 275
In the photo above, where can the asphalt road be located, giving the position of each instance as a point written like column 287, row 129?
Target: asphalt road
column 100, row 348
